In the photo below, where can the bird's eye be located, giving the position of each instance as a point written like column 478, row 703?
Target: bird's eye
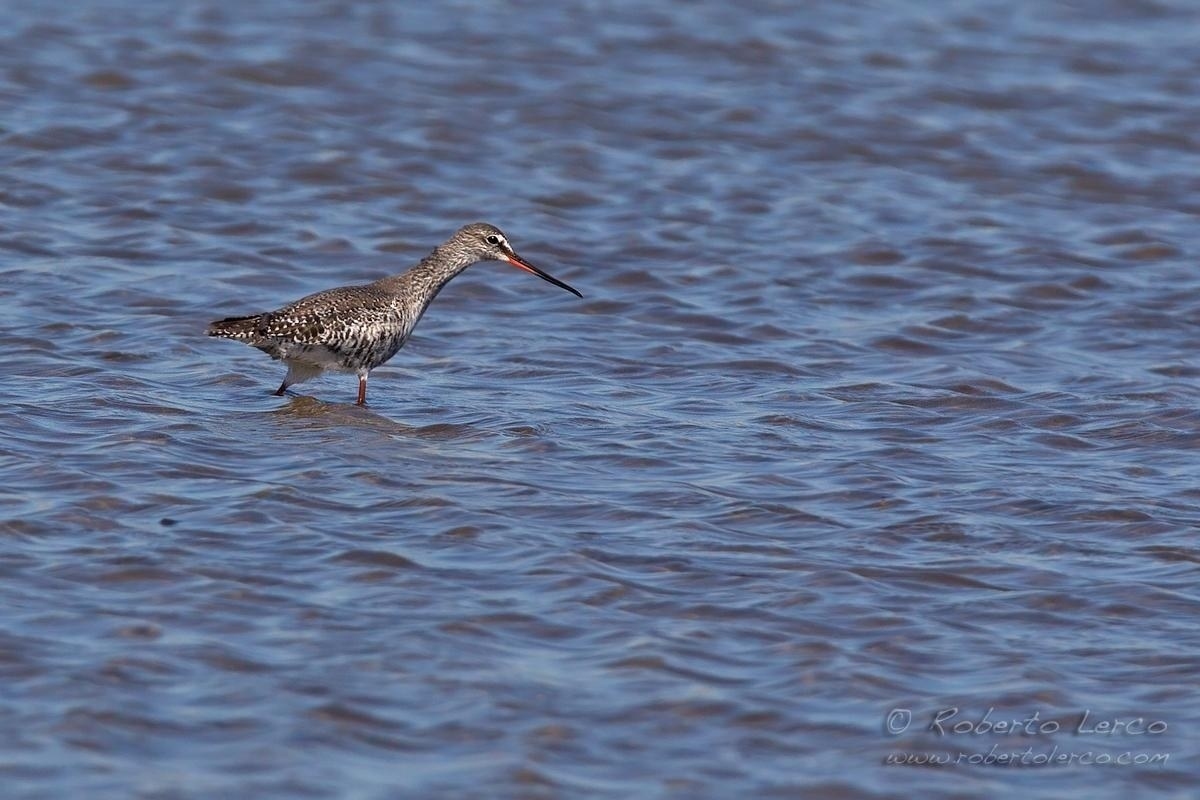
column 492, row 239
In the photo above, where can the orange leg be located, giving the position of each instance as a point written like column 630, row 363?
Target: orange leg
column 362, row 390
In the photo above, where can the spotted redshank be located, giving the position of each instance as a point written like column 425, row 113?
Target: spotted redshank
column 357, row 328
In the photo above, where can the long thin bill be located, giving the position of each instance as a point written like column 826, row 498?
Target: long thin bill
column 521, row 263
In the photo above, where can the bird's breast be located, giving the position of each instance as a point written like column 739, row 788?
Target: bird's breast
column 372, row 342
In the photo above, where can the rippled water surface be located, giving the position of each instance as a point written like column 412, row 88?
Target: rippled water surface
column 882, row 396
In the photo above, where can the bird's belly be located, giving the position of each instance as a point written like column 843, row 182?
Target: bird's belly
column 355, row 350
column 370, row 352
column 316, row 355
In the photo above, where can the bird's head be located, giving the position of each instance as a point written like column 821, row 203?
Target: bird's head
column 488, row 243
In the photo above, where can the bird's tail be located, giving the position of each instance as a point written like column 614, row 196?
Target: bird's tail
column 236, row 327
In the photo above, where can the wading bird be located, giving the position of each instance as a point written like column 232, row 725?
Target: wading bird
column 357, row 328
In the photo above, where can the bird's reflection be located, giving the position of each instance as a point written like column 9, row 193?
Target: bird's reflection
column 308, row 412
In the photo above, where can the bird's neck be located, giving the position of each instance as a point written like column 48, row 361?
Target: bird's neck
column 430, row 274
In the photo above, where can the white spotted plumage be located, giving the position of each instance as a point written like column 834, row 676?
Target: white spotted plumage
column 357, row 328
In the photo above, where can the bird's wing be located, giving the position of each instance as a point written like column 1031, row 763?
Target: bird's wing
column 321, row 317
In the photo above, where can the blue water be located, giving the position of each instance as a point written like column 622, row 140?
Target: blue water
column 880, row 402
